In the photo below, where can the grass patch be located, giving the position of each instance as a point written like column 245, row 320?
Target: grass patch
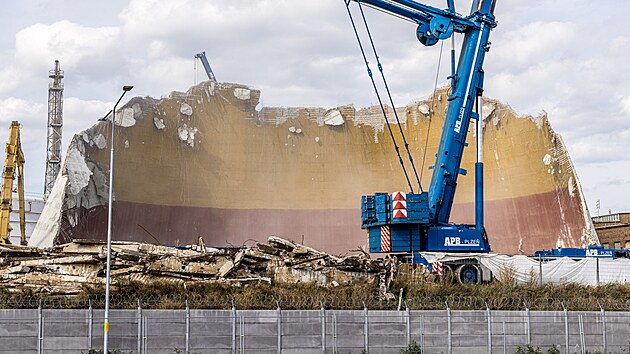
column 499, row 295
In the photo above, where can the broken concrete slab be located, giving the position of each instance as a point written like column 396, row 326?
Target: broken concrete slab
column 64, row 269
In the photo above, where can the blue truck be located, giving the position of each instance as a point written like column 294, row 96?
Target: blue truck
column 577, row 253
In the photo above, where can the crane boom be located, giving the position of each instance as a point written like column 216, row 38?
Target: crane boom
column 467, row 89
column 14, row 159
column 204, row 61
column 408, row 222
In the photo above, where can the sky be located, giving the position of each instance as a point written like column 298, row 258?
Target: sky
column 568, row 58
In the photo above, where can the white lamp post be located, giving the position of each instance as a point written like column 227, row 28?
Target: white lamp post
column 125, row 88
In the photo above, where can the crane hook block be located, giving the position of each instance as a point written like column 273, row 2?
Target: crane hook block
column 425, row 35
column 441, row 27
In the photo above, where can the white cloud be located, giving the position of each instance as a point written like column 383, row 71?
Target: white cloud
column 27, row 113
column 625, row 104
column 38, row 45
column 551, row 55
column 80, row 115
column 166, row 75
column 32, row 135
column 533, row 43
column 9, row 79
column 599, row 183
column 158, row 49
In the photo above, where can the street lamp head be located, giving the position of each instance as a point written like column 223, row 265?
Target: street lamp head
column 127, row 88
column 106, row 117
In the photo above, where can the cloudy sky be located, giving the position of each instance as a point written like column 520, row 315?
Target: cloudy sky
column 566, row 57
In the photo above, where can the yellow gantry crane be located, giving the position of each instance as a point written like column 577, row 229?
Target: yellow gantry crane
column 15, row 158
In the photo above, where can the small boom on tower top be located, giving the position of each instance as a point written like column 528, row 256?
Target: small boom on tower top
column 204, row 61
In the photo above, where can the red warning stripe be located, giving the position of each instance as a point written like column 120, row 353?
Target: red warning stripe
column 386, row 239
column 400, row 205
column 400, row 213
column 436, row 267
column 399, row 196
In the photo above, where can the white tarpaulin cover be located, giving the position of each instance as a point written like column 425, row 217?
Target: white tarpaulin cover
column 523, row 268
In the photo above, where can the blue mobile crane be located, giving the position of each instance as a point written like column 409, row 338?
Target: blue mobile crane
column 419, row 222
column 204, row 61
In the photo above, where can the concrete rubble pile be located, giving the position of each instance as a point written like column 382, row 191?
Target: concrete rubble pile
column 66, row 268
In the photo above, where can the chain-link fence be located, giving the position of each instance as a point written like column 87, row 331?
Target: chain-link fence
column 313, row 331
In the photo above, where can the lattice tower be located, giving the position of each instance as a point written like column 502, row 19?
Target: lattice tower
column 55, row 123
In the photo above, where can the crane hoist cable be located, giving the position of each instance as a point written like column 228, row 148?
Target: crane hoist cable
column 195, row 70
column 378, row 96
column 391, row 101
column 431, row 111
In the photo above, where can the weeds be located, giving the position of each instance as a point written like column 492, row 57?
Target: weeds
column 420, row 294
column 553, row 350
column 412, row 348
column 528, row 350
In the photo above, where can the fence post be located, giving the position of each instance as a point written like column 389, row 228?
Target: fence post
column 504, row 339
column 603, row 313
column 279, row 321
column 366, row 343
column 408, row 326
column 242, row 333
column 489, row 315
column 582, row 339
column 422, row 333
column 540, row 272
column 187, row 328
column 566, row 329
column 233, row 329
column 529, row 326
column 449, row 328
column 597, row 270
column 322, row 315
column 139, row 320
column 334, row 332
column 145, row 333
column 90, row 323
column 40, row 328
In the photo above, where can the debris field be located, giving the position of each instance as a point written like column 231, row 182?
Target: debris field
column 65, row 269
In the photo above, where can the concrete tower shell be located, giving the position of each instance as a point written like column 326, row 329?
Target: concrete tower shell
column 211, row 162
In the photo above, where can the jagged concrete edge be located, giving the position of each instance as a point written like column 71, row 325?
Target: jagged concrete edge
column 590, row 237
column 47, row 227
